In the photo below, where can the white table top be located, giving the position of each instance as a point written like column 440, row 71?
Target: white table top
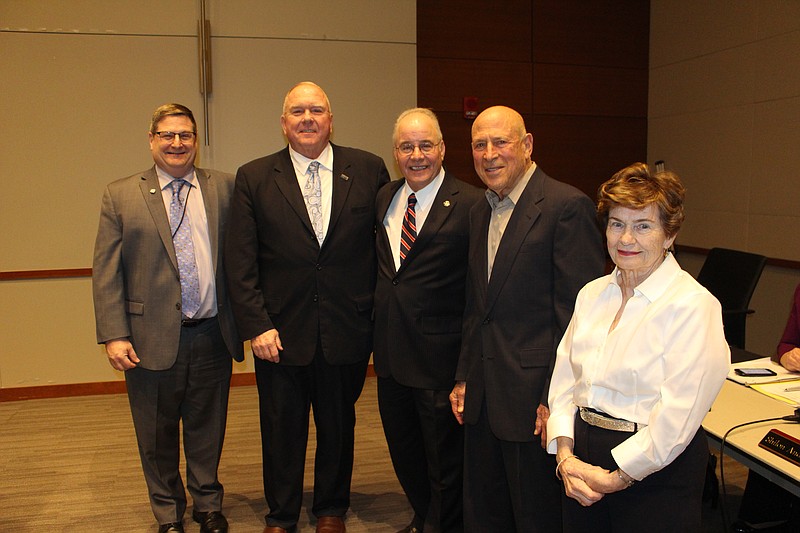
column 736, row 404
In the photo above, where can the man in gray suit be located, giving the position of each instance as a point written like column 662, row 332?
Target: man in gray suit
column 533, row 244
column 162, row 312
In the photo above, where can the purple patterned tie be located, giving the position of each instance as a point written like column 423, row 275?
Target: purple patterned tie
column 184, row 251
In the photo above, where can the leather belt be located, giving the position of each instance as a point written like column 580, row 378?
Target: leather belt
column 603, row 421
column 193, row 322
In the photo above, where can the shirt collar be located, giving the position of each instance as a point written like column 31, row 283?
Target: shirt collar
column 164, row 179
column 301, row 162
column 513, row 196
column 426, row 194
column 656, row 283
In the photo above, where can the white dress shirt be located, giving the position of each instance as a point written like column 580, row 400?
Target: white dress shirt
column 662, row 365
column 196, row 214
column 393, row 221
column 300, row 163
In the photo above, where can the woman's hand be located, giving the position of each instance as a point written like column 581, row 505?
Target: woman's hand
column 583, row 482
column 791, row 360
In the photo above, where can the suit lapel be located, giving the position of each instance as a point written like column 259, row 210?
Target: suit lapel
column 151, row 192
column 286, row 181
column 479, row 243
column 384, row 247
column 522, row 220
column 443, row 204
column 341, row 187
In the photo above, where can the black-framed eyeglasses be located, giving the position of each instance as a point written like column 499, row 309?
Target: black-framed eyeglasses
column 425, row 147
column 169, row 136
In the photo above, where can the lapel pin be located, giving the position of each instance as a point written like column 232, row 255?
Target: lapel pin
column 446, row 203
column 152, row 191
column 345, row 177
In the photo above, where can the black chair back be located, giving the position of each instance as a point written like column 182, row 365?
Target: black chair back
column 732, row 276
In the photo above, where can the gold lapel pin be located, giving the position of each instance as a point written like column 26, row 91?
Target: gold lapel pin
column 152, row 191
column 345, row 177
column 446, row 203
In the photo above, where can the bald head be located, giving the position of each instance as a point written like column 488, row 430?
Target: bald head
column 307, row 120
column 501, row 148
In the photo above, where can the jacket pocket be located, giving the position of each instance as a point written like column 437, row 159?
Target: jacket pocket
column 134, row 308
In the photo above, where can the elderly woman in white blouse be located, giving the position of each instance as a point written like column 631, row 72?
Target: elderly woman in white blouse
column 638, row 368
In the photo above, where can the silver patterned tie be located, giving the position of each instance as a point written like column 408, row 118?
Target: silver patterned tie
column 312, row 194
column 184, row 251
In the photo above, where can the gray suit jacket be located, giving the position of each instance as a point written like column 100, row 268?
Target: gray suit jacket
column 136, row 288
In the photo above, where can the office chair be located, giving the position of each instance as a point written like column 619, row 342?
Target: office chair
column 732, row 276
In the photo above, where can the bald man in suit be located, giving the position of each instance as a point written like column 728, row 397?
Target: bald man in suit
column 419, row 301
column 301, row 258
column 534, row 242
column 161, row 307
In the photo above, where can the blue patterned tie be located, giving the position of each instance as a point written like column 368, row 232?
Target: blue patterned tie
column 184, row 251
column 312, row 194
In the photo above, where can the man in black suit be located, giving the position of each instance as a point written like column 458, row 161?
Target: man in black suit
column 533, row 245
column 301, row 263
column 161, row 306
column 422, row 243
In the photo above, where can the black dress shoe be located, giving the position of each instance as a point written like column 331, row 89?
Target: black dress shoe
column 172, row 527
column 211, row 522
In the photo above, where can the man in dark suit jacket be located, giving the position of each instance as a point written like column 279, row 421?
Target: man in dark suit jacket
column 533, row 245
column 176, row 359
column 301, row 258
column 419, row 301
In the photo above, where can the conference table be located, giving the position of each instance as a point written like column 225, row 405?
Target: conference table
column 737, row 404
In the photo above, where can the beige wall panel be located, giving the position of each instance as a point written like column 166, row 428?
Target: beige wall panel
column 680, row 30
column 48, row 334
column 775, row 235
column 711, row 152
column 719, row 80
column 775, row 186
column 777, row 16
column 714, row 228
column 75, row 114
column 358, row 20
column 777, row 72
column 253, row 78
column 156, row 17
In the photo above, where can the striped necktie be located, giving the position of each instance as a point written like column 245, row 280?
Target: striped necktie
column 409, row 231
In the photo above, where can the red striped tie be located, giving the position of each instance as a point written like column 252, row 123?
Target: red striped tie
column 409, row 233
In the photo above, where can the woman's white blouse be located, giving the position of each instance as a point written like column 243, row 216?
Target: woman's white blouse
column 662, row 365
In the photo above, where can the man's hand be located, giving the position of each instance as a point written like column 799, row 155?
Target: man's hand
column 457, row 400
column 267, row 346
column 121, row 354
column 540, row 428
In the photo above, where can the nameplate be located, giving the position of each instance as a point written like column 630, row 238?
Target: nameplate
column 782, row 445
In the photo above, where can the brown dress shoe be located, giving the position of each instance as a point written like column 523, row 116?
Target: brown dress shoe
column 330, row 524
column 274, row 529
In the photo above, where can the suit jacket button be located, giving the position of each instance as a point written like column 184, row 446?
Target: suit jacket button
column 395, row 281
column 486, row 322
column 316, row 298
column 319, row 267
column 178, row 306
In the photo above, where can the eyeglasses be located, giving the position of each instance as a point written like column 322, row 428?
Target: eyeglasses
column 499, row 144
column 425, row 147
column 169, row 136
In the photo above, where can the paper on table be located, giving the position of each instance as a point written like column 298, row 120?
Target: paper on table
column 781, row 373
column 788, row 391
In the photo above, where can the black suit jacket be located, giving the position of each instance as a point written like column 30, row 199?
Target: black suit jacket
column 418, row 308
column 551, row 247
column 280, row 277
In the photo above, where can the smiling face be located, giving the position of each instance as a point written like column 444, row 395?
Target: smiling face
column 418, row 168
column 307, row 120
column 176, row 158
column 501, row 149
column 636, row 240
